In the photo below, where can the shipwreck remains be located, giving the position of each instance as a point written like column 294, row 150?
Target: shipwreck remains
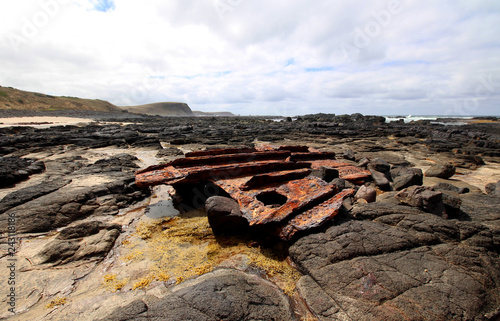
column 273, row 185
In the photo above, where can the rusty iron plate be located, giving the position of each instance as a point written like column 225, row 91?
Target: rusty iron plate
column 272, row 184
column 314, row 217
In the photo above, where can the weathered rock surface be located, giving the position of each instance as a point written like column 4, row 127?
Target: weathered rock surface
column 400, row 266
column 169, row 151
column 30, row 193
column 326, row 173
column 424, row 198
column 493, row 188
column 441, row 171
column 69, row 204
column 404, row 177
column 366, row 193
column 450, row 188
column 220, row 295
column 393, row 262
column 118, row 163
column 380, row 179
column 14, row 169
column 84, row 241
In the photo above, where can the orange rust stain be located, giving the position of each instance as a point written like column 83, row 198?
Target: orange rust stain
column 246, row 174
column 314, row 217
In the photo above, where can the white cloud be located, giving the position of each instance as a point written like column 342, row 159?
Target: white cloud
column 256, row 57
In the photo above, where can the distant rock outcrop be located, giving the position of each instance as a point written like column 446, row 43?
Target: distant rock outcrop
column 215, row 113
column 15, row 99
column 161, row 109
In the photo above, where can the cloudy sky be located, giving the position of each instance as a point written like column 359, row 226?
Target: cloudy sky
column 281, row 57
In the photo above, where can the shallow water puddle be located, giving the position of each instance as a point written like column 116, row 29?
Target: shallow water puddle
column 161, row 204
column 161, row 209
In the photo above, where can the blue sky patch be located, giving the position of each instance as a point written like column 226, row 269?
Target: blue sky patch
column 404, row 63
column 318, row 69
column 103, row 5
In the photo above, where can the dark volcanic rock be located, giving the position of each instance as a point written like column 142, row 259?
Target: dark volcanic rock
column 69, row 204
column 380, row 165
column 374, row 210
column 363, row 162
column 14, row 169
column 482, row 209
column 452, row 204
column 450, row 187
column 170, row 151
column 224, row 215
column 349, row 154
column 404, row 177
column 400, row 267
column 30, row 193
column 380, row 179
column 118, row 163
column 424, row 198
column 342, row 184
column 326, row 173
column 84, row 241
column 380, row 170
column 220, row 295
column 441, row 171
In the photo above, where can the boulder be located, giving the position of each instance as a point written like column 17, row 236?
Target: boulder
column 490, row 188
column 379, row 165
column 220, row 295
column 224, row 215
column 404, row 177
column 342, row 184
column 366, row 193
column 380, row 179
column 451, row 188
column 348, row 154
column 424, row 198
column 326, row 173
column 363, row 162
column 441, row 170
column 452, row 204
column 493, row 188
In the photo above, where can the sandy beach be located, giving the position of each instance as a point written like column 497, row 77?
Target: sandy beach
column 43, row 121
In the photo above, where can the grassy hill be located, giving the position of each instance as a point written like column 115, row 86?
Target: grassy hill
column 162, row 109
column 15, row 99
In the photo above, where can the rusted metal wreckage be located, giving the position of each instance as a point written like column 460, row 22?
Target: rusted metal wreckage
column 272, row 185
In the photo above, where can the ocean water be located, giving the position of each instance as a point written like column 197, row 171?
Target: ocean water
column 432, row 118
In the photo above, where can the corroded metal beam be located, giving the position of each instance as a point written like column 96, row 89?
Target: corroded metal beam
column 272, row 184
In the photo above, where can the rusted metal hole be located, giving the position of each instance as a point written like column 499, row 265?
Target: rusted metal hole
column 272, row 198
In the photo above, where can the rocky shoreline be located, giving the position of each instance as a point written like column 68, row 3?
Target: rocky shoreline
column 418, row 241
